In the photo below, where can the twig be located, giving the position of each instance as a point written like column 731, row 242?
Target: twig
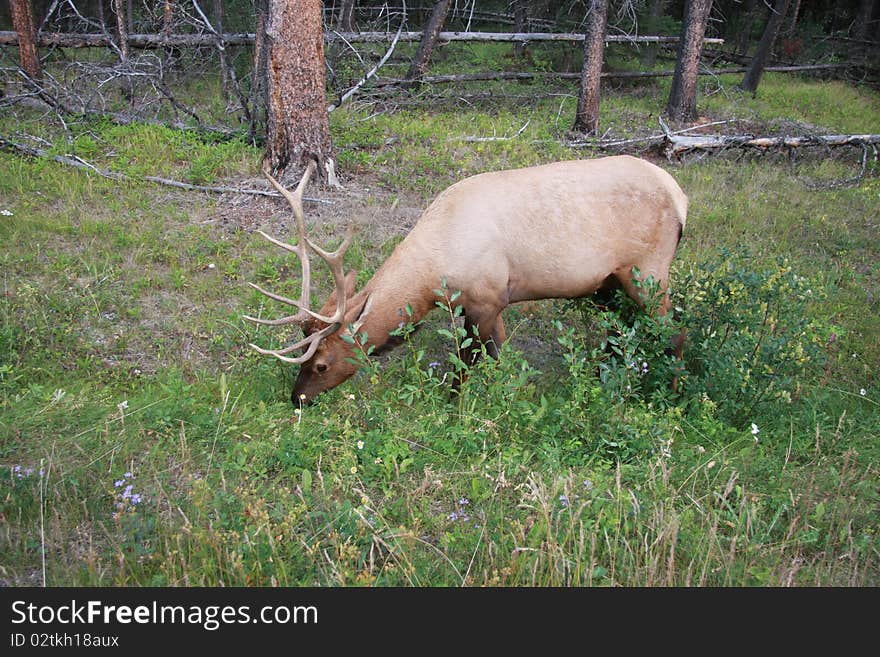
column 348, row 94
column 482, row 139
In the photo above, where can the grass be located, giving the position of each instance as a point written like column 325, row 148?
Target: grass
column 122, row 350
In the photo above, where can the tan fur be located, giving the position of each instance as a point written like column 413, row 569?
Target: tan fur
column 560, row 230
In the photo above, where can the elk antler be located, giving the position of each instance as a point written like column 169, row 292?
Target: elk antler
column 333, row 260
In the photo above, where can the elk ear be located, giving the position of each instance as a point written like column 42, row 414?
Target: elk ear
column 350, row 280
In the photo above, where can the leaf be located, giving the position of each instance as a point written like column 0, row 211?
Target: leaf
column 306, row 481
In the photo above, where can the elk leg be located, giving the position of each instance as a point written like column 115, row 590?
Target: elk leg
column 492, row 338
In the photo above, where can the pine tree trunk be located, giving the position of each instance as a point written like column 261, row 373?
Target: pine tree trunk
column 682, row 105
column 653, row 22
column 587, row 117
column 765, row 47
column 520, row 25
column 795, row 14
column 23, row 22
column 258, row 99
column 225, row 74
column 346, row 16
column 744, row 37
column 298, row 128
column 863, row 20
column 429, row 40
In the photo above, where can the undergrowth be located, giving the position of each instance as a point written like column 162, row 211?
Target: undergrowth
column 142, row 442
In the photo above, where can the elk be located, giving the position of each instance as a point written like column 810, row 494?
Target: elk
column 562, row 230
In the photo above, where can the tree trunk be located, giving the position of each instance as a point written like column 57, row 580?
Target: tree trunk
column 795, row 14
column 346, row 16
column 683, row 95
column 654, row 14
column 258, row 100
column 23, row 21
column 762, row 54
column 429, row 40
column 586, row 119
column 863, row 20
column 520, row 24
column 298, row 128
column 745, row 31
column 225, row 73
column 121, row 30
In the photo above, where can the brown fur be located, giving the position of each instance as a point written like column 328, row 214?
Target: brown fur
column 561, row 230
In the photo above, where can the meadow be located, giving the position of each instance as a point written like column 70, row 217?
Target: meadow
column 142, row 443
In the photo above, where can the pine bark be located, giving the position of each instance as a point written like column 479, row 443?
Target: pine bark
column 345, row 21
column 682, row 104
column 520, row 24
column 861, row 29
column 765, row 47
column 23, row 22
column 587, row 116
column 296, row 108
column 658, row 7
column 429, row 40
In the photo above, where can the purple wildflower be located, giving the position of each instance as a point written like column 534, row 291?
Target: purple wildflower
column 563, row 499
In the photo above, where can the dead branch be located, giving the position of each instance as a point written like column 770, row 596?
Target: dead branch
column 611, row 75
column 78, row 162
column 351, row 92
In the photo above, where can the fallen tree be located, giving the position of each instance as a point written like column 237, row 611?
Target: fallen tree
column 530, row 75
column 153, row 41
column 678, row 144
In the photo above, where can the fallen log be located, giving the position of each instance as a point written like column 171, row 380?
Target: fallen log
column 614, row 75
column 678, row 144
column 152, row 41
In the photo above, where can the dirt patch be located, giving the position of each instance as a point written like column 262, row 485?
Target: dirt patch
column 380, row 213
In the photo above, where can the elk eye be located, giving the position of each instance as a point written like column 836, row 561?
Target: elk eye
column 321, row 368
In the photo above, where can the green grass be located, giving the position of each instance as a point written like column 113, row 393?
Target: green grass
column 123, row 351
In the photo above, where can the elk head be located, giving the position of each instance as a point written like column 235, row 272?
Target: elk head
column 325, row 361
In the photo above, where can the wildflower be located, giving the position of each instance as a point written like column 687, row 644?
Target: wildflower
column 360, row 444
column 128, row 475
column 6, row 213
column 122, row 405
column 563, row 500
column 863, row 392
column 297, row 411
column 463, row 501
column 453, row 516
column 118, row 483
column 351, row 397
column 354, row 469
column 378, row 460
column 211, row 265
column 588, row 484
column 434, row 364
column 755, row 429
column 302, row 397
